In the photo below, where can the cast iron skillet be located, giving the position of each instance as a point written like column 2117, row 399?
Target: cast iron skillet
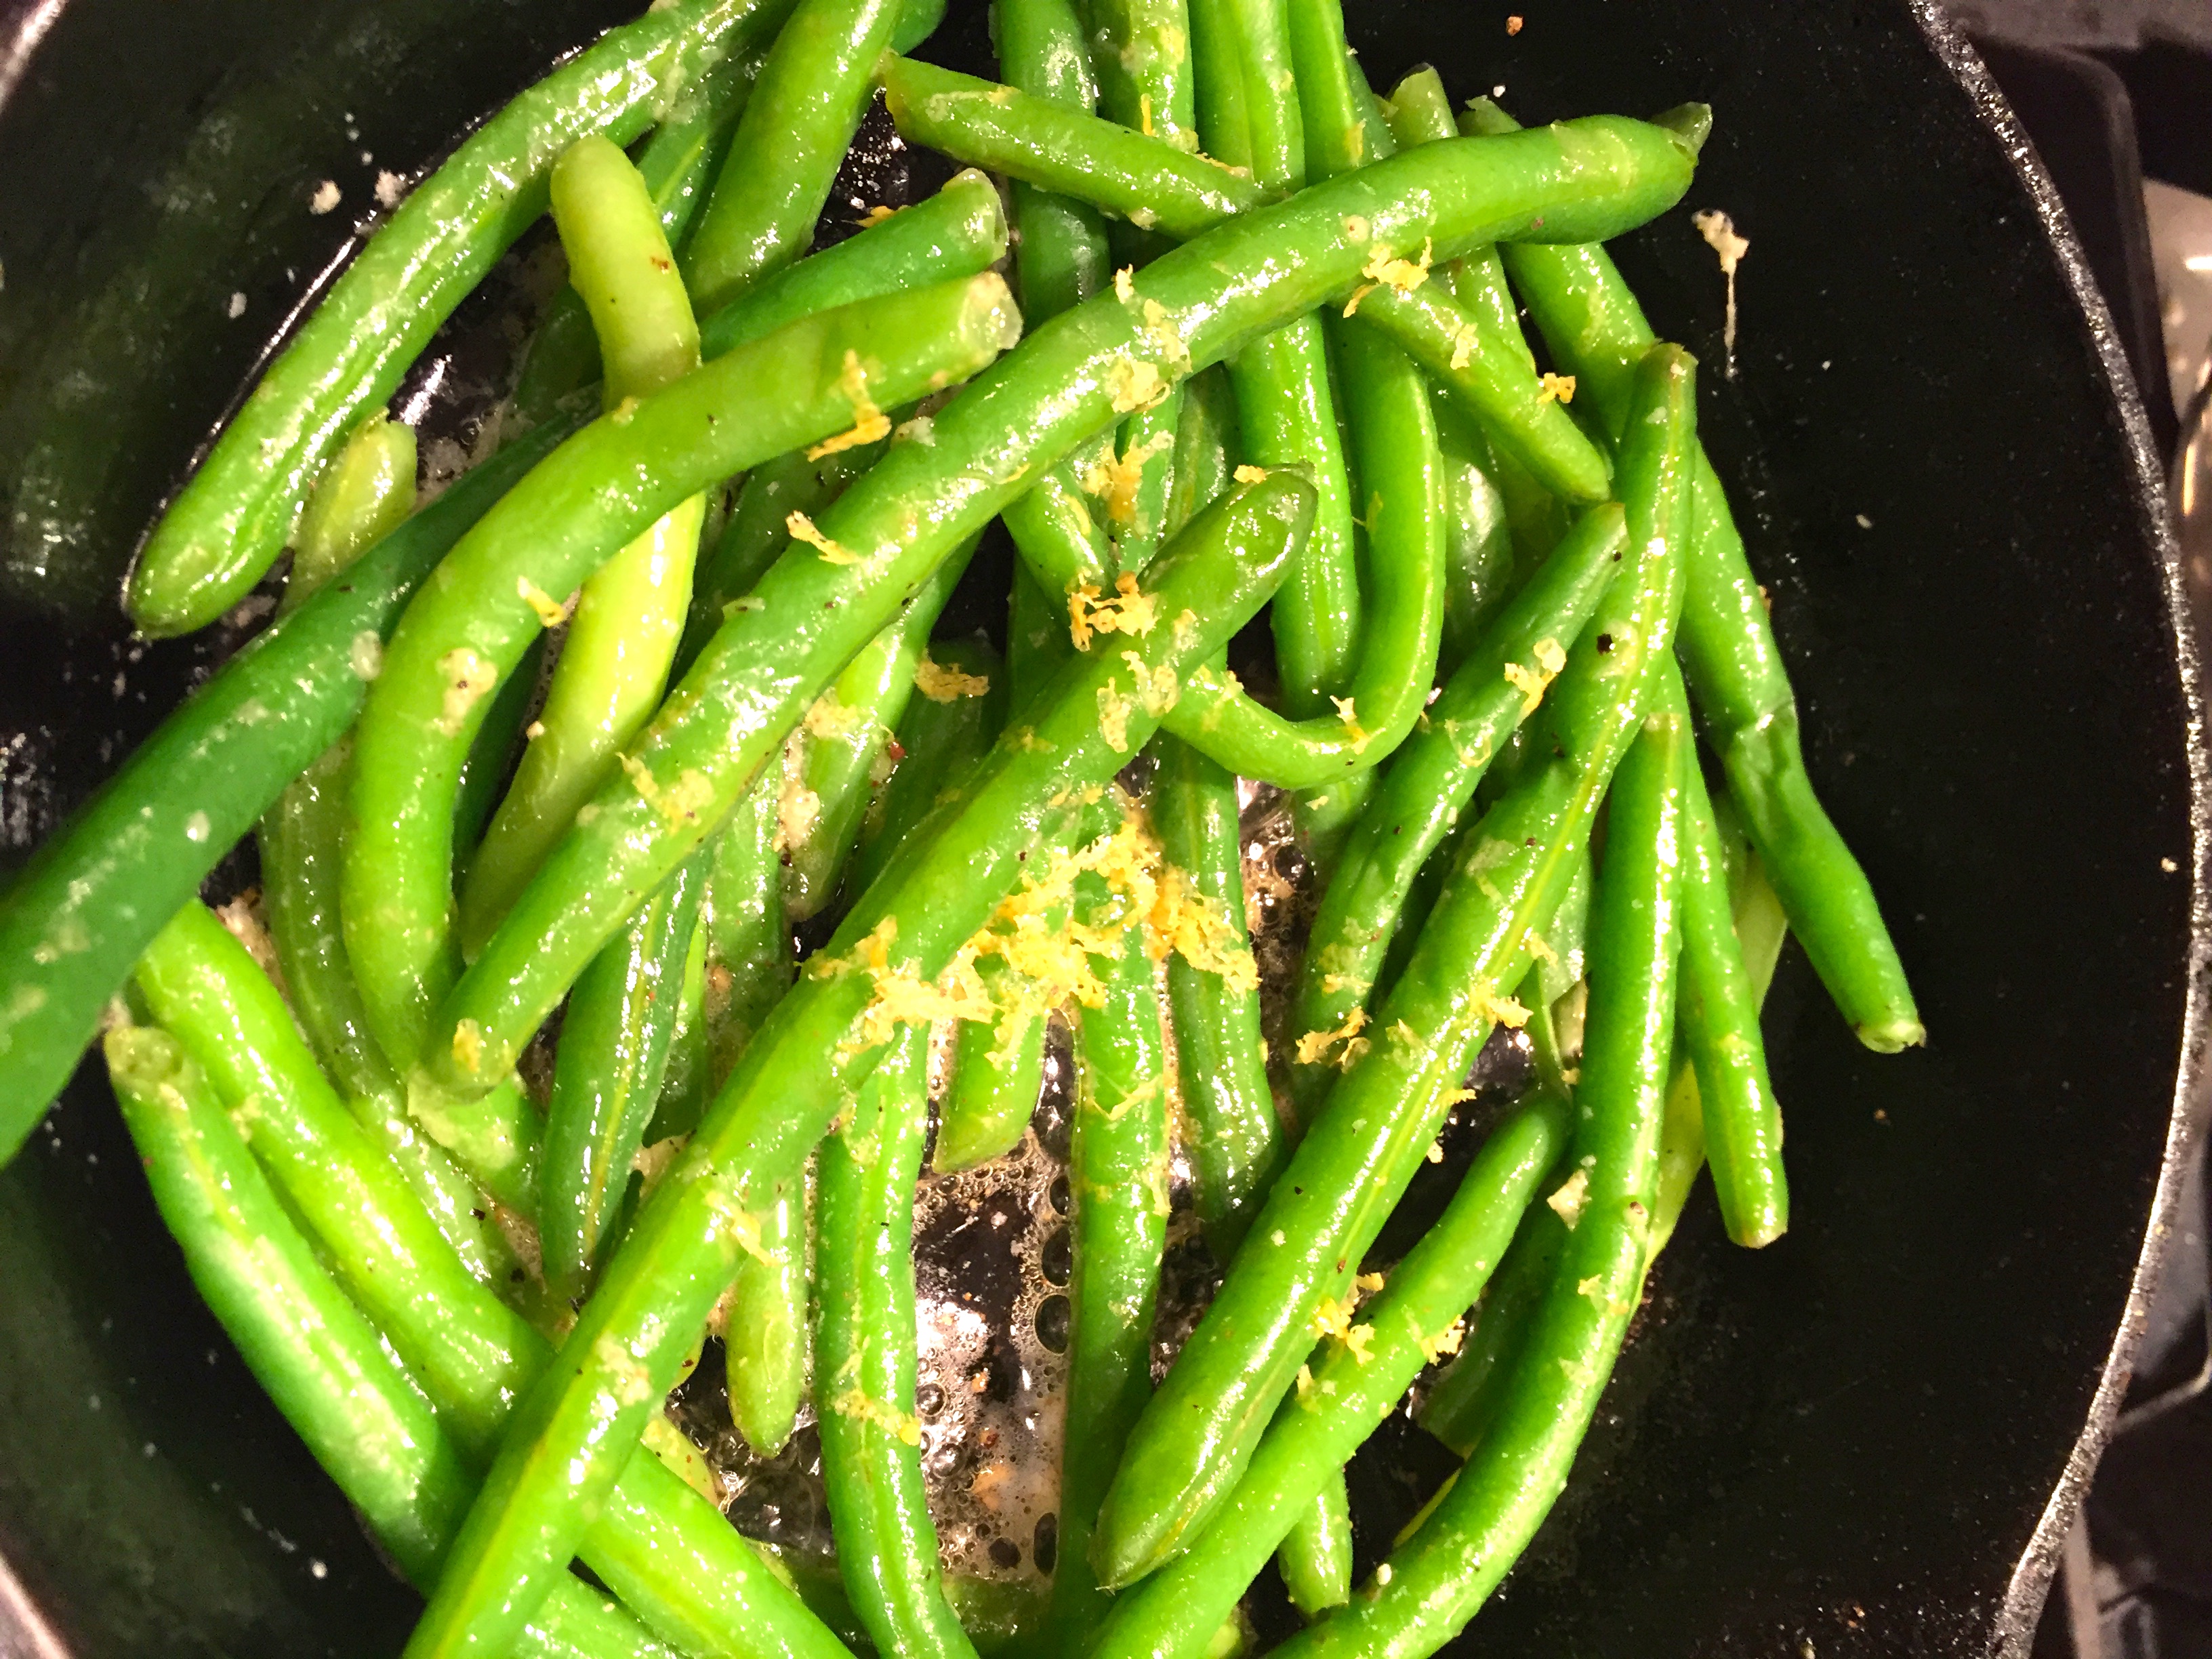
column 1864, row 1439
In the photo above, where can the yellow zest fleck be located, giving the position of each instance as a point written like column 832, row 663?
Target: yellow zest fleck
column 1436, row 1152
column 1558, row 388
column 1591, row 1287
column 1355, row 141
column 1114, row 706
column 1116, row 480
column 1197, row 926
column 468, row 1045
column 830, row 716
column 875, row 216
column 1315, row 1044
column 858, row 1404
column 1498, row 1009
column 1305, row 1381
column 633, row 1383
column 551, row 613
column 1332, row 1318
column 869, row 422
column 1404, row 275
column 801, row 529
column 468, row 678
column 1357, row 1340
column 1127, row 610
column 942, row 684
column 1186, row 628
column 1405, row 1034
column 1167, row 340
column 1145, row 115
column 1360, row 736
column 1464, row 341
column 1133, row 384
column 1125, row 285
column 1358, row 295
column 1157, row 688
column 1567, row 1202
column 1248, row 474
column 1531, row 683
column 1540, row 947
column 1368, row 1284
column 1444, row 1342
column 678, row 803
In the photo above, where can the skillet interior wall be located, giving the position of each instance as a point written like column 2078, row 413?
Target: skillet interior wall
column 1844, row 1439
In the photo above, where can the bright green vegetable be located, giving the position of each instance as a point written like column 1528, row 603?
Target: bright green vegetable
column 74, row 920
column 470, row 628
column 1347, row 1393
column 1435, row 1582
column 231, row 520
column 1061, row 257
column 574, row 1433
column 1315, row 1553
column 1067, row 382
column 1140, row 51
column 365, row 494
column 748, row 941
column 1196, row 1436
column 864, row 1356
column 765, row 1349
column 1595, row 329
column 944, row 733
column 322, row 1363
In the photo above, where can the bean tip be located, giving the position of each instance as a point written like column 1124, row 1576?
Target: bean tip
column 1691, row 123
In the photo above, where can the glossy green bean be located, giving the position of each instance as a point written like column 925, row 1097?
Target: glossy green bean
column 1066, row 382
column 689, row 1080
column 607, row 1076
column 1197, row 1436
column 1140, row 51
column 1217, row 75
column 1315, row 1553
column 1346, row 1394
column 749, row 964
column 1594, row 328
column 229, row 522
column 311, row 1350
column 1435, row 1582
column 666, row 1552
column 76, row 917
column 1432, row 780
column 805, row 105
column 572, row 1436
column 1478, row 552
column 1150, row 182
column 470, row 628
column 865, row 1356
column 1061, row 258
column 1117, row 1175
column 944, row 733
column 491, row 759
column 365, row 494
column 1000, row 1615
column 765, row 1351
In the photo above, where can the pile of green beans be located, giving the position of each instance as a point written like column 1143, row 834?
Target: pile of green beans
column 585, row 737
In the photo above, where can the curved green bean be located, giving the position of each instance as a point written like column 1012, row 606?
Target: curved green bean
column 366, row 493
column 1197, row 1436
column 1117, row 1175
column 864, row 1358
column 610, row 481
column 607, row 1076
column 1347, row 1392
column 665, row 1551
column 229, row 522
column 1433, row 778
column 1067, row 382
column 311, row 1350
column 572, row 1435
column 806, row 104
column 1594, row 328
column 1061, row 258
column 1435, row 1582
column 1315, row 1553
column 76, row 917
column 1047, row 144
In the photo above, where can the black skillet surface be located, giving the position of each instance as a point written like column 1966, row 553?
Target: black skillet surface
column 1845, row 1444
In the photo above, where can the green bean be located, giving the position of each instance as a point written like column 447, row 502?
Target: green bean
column 629, row 612
column 959, row 231
column 229, row 522
column 1478, row 553
column 1433, row 779
column 1047, row 144
column 363, row 495
column 864, row 1358
column 667, row 1552
column 1315, row 1553
column 471, row 627
column 1217, row 74
column 1594, row 328
column 1435, row 1582
column 689, row 1080
column 943, row 733
column 319, row 1361
column 1061, row 259
column 1117, row 1175
column 765, row 1347
column 1066, row 382
column 78, row 915
column 1347, row 1392
column 1140, row 51
column 805, row 105
column 491, row 762
column 749, row 964
column 1196, row 1436
column 847, row 734
column 1000, row 1615
column 574, row 1429
column 1418, row 109
column 607, row 1077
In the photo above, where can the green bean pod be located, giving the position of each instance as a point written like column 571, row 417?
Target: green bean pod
column 1435, row 1582
column 604, row 486
column 1000, row 1615
column 77, row 915
column 667, row 1552
column 1347, row 1392
column 944, row 733
column 748, row 964
column 1061, row 258
column 313, row 1353
column 1140, row 51
column 1433, row 777
column 1197, row 1436
column 689, row 1080
column 1595, row 328
column 765, row 1349
column 365, row 494
column 491, row 759
column 1117, row 1175
column 607, row 1076
column 805, row 105
column 230, row 521
column 1066, row 382
column 864, row 1358
column 1315, row 1553
column 1478, row 551
column 576, row 1428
